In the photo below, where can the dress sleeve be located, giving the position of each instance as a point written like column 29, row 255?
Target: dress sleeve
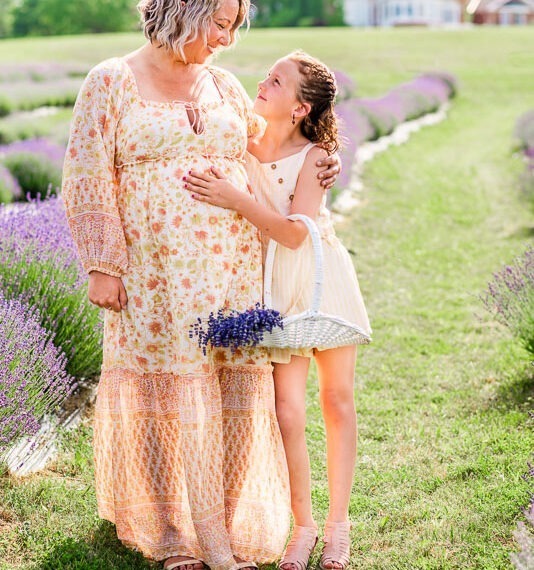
column 241, row 102
column 89, row 188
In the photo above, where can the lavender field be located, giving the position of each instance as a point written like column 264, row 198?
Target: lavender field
column 443, row 249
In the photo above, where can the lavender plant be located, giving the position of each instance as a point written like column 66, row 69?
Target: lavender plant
column 38, row 72
column 38, row 263
column 233, row 329
column 9, row 187
column 510, row 298
column 35, row 163
column 33, row 380
column 53, row 152
column 524, row 131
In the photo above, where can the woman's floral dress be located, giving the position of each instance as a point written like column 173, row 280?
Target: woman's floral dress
column 188, row 455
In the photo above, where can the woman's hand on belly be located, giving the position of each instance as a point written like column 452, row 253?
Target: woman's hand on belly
column 107, row 292
column 212, row 187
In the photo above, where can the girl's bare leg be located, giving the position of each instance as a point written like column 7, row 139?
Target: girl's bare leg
column 336, row 391
column 290, row 387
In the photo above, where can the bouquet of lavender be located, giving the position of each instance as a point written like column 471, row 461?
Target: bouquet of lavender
column 232, row 329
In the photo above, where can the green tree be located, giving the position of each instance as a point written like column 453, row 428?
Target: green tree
column 6, row 18
column 273, row 13
column 57, row 17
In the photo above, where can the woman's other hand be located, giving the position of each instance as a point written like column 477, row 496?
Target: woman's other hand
column 214, row 188
column 329, row 175
column 107, row 292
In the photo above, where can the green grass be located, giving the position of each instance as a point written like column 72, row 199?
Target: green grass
column 443, row 392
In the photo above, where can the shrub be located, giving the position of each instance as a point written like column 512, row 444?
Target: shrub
column 6, row 106
column 524, row 131
column 35, row 163
column 33, row 380
column 39, row 264
column 35, row 174
column 510, row 298
column 43, row 147
column 9, row 187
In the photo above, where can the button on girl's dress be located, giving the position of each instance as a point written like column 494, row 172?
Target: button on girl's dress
column 273, row 166
column 291, row 196
column 280, row 180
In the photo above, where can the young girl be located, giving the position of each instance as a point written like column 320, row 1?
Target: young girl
column 297, row 102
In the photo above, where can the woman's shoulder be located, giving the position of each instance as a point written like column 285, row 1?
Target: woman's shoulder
column 112, row 69
column 227, row 78
column 223, row 73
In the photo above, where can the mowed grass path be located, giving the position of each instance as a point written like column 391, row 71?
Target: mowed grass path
column 443, row 393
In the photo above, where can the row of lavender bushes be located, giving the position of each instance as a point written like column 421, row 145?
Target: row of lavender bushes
column 24, row 87
column 510, row 294
column 524, row 136
column 365, row 119
column 49, row 332
column 510, row 300
column 29, row 168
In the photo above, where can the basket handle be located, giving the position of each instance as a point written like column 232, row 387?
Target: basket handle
column 318, row 252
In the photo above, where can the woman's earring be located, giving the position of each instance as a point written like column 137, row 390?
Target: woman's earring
column 293, row 119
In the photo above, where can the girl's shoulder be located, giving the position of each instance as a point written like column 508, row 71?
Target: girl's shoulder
column 313, row 153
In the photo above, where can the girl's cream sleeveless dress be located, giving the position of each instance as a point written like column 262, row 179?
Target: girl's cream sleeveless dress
column 274, row 184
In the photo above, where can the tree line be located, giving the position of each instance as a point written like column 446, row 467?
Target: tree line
column 59, row 17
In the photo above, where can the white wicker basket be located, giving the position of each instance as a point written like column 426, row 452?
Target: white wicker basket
column 311, row 328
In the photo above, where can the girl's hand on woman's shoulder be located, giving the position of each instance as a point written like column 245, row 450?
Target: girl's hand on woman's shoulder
column 212, row 187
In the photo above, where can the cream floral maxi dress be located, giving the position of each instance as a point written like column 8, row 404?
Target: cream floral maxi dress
column 188, row 454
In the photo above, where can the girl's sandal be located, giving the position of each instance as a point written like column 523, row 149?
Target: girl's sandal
column 336, row 549
column 299, row 548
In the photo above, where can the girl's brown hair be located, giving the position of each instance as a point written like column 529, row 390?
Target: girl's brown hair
column 317, row 87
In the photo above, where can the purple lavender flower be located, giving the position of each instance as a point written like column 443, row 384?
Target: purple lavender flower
column 232, row 329
column 39, row 264
column 53, row 152
column 33, row 380
column 510, row 298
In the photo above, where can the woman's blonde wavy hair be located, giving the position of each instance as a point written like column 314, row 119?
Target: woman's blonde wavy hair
column 174, row 23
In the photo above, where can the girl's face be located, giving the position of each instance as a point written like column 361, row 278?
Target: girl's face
column 218, row 36
column 277, row 93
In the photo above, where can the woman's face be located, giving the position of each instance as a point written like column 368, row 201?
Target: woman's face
column 219, row 33
column 277, row 93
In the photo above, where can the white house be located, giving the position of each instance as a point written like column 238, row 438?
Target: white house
column 402, row 12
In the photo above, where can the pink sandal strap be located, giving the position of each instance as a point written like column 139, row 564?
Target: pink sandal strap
column 187, row 562
column 336, row 545
column 300, row 547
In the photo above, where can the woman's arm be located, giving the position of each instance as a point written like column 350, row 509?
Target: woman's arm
column 214, row 189
column 89, row 187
